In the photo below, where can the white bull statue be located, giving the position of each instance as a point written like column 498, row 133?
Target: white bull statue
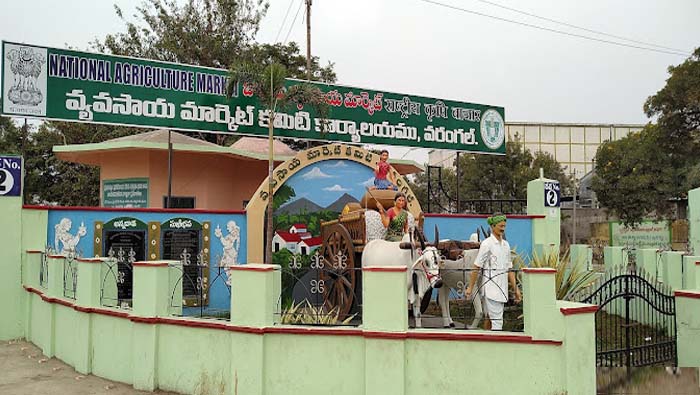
column 423, row 270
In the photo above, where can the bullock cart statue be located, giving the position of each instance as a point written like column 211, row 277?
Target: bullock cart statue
column 345, row 239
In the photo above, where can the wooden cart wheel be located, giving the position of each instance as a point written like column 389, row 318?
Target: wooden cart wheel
column 338, row 273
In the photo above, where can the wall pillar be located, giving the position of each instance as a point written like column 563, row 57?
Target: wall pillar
column 671, row 269
column 691, row 272
column 688, row 328
column 151, row 299
column 613, row 256
column 540, row 201
column 10, row 266
column 646, row 260
column 694, row 219
column 579, row 346
column 581, row 255
column 541, row 317
column 87, row 294
column 385, row 309
column 255, row 295
column 54, row 272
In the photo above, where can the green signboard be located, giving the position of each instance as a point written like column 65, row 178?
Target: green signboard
column 85, row 87
column 648, row 234
column 128, row 192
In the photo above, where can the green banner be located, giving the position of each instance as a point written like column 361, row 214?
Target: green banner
column 125, row 193
column 648, row 234
column 85, row 87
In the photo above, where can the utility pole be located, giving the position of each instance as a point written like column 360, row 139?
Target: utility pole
column 308, row 40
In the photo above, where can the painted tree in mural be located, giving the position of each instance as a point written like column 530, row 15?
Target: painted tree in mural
column 493, row 177
column 268, row 84
column 644, row 174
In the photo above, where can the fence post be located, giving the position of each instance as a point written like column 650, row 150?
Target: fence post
column 151, row 299
column 384, row 309
column 671, row 269
column 255, row 293
column 542, row 320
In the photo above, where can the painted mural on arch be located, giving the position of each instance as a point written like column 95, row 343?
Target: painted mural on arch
column 316, row 194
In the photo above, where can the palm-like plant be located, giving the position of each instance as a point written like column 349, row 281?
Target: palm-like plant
column 571, row 277
column 268, row 84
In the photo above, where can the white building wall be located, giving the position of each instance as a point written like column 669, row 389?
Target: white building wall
column 573, row 145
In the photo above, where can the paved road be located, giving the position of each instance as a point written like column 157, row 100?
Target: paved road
column 24, row 370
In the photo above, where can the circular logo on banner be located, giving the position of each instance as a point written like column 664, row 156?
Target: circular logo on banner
column 7, row 181
column 493, row 130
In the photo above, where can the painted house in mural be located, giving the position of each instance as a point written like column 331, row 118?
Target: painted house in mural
column 296, row 241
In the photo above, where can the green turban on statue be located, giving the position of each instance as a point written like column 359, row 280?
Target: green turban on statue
column 495, row 219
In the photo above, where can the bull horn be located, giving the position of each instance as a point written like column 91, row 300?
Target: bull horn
column 437, row 235
column 404, row 245
column 421, row 238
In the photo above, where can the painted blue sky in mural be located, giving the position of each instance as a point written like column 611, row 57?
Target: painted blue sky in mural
column 325, row 182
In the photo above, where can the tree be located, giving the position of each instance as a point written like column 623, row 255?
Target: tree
column 641, row 175
column 289, row 56
column 268, row 84
column 633, row 179
column 212, row 33
column 494, row 177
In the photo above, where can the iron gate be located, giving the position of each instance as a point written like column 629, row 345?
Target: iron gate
column 636, row 319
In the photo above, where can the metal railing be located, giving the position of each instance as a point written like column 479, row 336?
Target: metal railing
column 117, row 272
column 44, row 269
column 70, row 274
column 450, row 307
column 192, row 283
column 317, row 291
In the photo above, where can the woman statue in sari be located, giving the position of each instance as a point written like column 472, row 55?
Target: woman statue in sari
column 395, row 220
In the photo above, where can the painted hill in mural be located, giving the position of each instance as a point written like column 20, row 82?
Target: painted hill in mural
column 298, row 206
column 339, row 204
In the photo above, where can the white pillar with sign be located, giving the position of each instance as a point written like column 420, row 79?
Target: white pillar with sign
column 11, row 291
column 544, row 199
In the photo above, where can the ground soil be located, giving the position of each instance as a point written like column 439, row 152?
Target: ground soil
column 650, row 381
column 24, row 370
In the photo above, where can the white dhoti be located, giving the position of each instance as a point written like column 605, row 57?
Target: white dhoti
column 494, row 311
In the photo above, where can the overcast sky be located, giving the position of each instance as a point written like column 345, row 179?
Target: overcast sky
column 415, row 47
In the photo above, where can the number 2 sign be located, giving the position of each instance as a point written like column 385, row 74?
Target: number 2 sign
column 10, row 176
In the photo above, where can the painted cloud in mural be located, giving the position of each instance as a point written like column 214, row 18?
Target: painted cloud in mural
column 336, row 188
column 315, row 172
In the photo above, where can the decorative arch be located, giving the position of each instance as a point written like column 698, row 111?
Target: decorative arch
column 258, row 203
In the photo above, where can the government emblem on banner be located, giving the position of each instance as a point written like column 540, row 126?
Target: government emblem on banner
column 493, row 130
column 24, row 90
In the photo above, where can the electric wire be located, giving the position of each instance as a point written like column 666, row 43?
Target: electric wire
column 284, row 21
column 530, row 25
column 301, row 2
column 581, row 27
